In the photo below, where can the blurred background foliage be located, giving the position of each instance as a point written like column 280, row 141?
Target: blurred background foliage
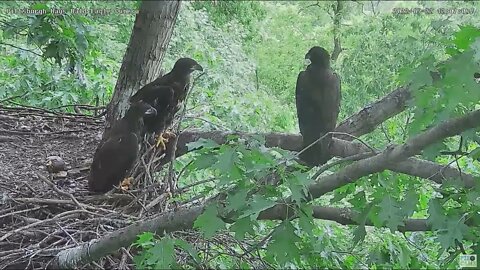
column 252, row 52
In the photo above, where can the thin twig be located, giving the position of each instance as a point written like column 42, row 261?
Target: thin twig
column 61, row 192
column 22, row 49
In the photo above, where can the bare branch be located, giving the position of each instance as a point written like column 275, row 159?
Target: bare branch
column 20, row 48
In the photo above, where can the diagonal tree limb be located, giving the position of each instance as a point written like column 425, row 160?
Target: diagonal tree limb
column 367, row 119
column 183, row 219
column 358, row 124
column 391, row 155
column 411, row 166
column 341, row 148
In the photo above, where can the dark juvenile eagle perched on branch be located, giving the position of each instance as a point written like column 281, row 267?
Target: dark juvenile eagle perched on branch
column 318, row 103
column 115, row 156
column 166, row 94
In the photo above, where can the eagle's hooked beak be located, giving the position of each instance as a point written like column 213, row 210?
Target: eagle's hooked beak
column 151, row 111
column 197, row 67
column 307, row 60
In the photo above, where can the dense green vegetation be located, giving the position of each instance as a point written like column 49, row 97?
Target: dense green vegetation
column 253, row 52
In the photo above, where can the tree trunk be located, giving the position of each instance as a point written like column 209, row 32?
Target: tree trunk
column 142, row 62
column 337, row 17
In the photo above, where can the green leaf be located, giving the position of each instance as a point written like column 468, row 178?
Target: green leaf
column 298, row 186
column 228, row 177
column 208, row 222
column 145, row 239
column 202, row 143
column 305, row 220
column 241, row 227
column 359, row 200
column 298, row 193
column 162, row 254
column 474, row 197
column 420, row 78
column 256, row 205
column 378, row 256
column 283, row 244
column 404, row 256
column 466, row 36
column 409, row 205
column 436, row 218
column 237, row 200
column 226, row 159
column 390, row 213
column 51, row 51
column 189, row 249
column 455, row 229
column 204, row 161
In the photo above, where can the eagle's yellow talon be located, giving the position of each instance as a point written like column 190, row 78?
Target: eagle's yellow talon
column 161, row 142
column 126, row 183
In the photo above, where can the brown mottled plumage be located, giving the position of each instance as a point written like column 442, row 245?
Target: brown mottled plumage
column 116, row 154
column 166, row 94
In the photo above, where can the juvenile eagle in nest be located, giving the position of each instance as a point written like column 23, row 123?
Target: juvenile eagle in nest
column 166, row 94
column 115, row 156
column 318, row 103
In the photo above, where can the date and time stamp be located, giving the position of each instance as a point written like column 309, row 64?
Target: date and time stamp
column 428, row 11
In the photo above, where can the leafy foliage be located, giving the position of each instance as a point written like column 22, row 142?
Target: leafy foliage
column 253, row 52
column 84, row 67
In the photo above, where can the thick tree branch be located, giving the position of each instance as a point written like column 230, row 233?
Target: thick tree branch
column 393, row 154
column 347, row 216
column 358, row 124
column 366, row 120
column 183, row 219
column 411, row 166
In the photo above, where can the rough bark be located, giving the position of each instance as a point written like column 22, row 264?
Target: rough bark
column 95, row 249
column 337, row 17
column 340, row 148
column 142, row 62
column 411, row 166
column 183, row 219
column 394, row 154
column 374, row 114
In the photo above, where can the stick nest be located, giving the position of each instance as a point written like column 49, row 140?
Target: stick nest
column 45, row 210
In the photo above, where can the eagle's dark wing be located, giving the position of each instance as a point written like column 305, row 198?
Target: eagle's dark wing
column 331, row 97
column 305, row 108
column 159, row 88
column 177, row 104
column 112, row 161
column 163, row 103
column 318, row 101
